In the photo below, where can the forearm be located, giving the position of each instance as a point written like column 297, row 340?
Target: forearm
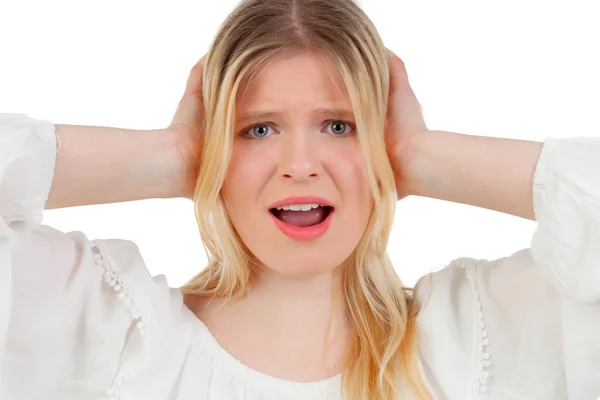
column 487, row 172
column 97, row 165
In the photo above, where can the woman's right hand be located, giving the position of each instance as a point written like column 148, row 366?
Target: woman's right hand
column 188, row 127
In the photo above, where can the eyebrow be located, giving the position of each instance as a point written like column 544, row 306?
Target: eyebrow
column 334, row 113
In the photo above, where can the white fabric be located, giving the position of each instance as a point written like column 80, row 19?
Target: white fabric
column 83, row 319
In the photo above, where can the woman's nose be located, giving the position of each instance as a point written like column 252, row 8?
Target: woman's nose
column 300, row 156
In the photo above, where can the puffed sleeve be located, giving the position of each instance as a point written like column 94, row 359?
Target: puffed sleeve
column 526, row 326
column 69, row 327
column 566, row 244
column 27, row 161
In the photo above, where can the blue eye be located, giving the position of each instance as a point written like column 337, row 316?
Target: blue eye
column 337, row 126
column 260, row 130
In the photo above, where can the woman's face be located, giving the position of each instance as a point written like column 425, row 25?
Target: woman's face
column 305, row 147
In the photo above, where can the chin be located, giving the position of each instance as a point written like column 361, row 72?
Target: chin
column 301, row 259
column 303, row 265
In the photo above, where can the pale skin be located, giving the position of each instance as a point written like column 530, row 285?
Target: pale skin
column 292, row 318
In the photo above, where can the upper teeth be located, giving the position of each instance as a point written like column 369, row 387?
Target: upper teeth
column 299, row 207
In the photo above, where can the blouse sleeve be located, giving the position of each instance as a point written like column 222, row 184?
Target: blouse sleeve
column 566, row 244
column 69, row 328
column 527, row 326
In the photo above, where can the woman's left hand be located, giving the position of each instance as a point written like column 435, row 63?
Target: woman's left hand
column 187, row 126
column 404, row 124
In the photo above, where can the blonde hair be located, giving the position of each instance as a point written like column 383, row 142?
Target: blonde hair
column 383, row 355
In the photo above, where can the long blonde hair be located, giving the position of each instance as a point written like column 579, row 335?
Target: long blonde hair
column 380, row 308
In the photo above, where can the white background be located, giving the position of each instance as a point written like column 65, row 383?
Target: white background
column 516, row 69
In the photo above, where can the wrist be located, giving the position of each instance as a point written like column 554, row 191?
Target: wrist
column 184, row 151
column 432, row 165
column 164, row 166
column 409, row 158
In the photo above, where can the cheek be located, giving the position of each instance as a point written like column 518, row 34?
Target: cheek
column 242, row 164
column 246, row 176
column 363, row 200
column 349, row 172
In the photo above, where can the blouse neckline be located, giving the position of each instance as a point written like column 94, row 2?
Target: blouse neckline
column 246, row 373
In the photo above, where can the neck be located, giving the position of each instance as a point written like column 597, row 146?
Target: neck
column 307, row 314
column 315, row 300
column 292, row 327
column 303, row 313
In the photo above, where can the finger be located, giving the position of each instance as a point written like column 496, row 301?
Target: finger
column 404, row 101
column 398, row 75
column 399, row 83
column 194, row 82
column 189, row 111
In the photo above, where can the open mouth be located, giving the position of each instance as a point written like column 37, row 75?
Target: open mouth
column 302, row 216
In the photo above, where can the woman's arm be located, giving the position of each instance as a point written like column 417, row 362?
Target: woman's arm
column 97, row 165
column 481, row 171
column 487, row 172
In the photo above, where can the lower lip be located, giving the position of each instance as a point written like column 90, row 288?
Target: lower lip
column 303, row 233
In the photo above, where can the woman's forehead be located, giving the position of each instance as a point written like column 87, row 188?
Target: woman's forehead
column 299, row 75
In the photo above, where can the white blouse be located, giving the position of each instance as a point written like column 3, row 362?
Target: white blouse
column 83, row 319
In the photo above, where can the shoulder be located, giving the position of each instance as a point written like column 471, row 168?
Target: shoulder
column 101, row 271
column 459, row 309
column 151, row 297
column 74, row 258
column 465, row 277
column 443, row 287
column 466, row 289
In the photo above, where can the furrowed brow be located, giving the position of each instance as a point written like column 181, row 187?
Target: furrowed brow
column 335, row 113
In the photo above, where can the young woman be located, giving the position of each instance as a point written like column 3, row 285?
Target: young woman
column 296, row 136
